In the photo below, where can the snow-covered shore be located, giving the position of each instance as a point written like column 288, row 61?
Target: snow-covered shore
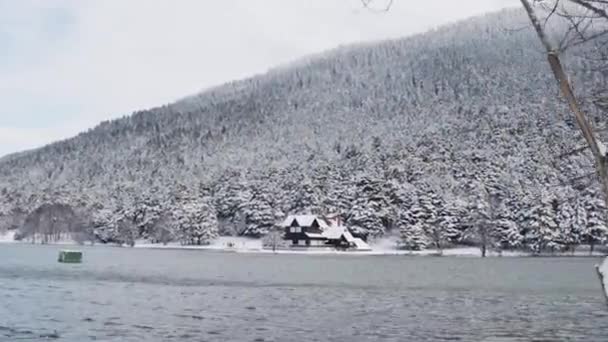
column 7, row 237
column 381, row 247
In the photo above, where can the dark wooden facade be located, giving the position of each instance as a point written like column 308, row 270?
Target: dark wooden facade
column 305, row 236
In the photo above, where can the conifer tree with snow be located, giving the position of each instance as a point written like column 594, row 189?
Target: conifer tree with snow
column 505, row 231
column 146, row 213
column 259, row 215
column 412, row 236
column 127, row 229
column 569, row 230
column 595, row 232
column 105, row 228
column 305, row 199
column 230, row 195
column 482, row 227
column 196, row 222
column 364, row 222
column 541, row 225
column 451, row 218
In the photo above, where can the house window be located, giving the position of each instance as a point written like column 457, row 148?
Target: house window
column 295, row 229
column 298, row 229
column 302, row 242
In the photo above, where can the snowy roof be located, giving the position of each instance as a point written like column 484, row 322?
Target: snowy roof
column 337, row 232
column 304, row 221
column 362, row 245
column 315, row 235
column 348, row 236
column 334, row 232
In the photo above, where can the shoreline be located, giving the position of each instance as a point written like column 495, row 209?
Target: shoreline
column 254, row 246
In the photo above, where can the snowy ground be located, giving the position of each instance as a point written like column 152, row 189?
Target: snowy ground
column 380, row 247
column 7, row 236
column 222, row 243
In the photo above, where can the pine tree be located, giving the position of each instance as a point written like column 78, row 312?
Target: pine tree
column 569, row 231
column 305, row 199
column 542, row 227
column 580, row 219
column 196, row 222
column 450, row 219
column 230, row 196
column 364, row 222
column 105, row 227
column 484, row 222
column 259, row 215
column 127, row 229
column 412, row 236
column 146, row 214
column 506, row 233
column 595, row 231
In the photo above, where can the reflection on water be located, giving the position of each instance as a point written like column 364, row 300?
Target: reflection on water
column 164, row 295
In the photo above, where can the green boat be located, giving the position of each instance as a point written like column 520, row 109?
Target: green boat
column 69, row 256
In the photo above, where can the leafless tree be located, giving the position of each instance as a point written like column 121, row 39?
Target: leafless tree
column 587, row 24
column 486, row 217
column 274, row 239
column 49, row 222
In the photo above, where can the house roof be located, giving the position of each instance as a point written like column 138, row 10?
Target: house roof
column 315, row 235
column 348, row 236
column 304, row 221
column 337, row 232
column 362, row 245
column 334, row 232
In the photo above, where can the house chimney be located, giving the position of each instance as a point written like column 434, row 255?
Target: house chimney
column 334, row 220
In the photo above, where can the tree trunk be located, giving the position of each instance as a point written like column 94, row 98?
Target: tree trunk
column 597, row 148
column 483, row 250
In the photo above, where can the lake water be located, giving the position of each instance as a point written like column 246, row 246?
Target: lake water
column 121, row 294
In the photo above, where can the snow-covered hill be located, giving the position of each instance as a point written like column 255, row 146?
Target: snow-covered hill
column 386, row 134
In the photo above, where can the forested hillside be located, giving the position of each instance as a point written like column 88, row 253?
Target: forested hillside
column 428, row 136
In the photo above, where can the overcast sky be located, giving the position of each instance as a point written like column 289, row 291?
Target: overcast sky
column 67, row 65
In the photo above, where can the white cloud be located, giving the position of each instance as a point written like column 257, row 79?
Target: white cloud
column 116, row 56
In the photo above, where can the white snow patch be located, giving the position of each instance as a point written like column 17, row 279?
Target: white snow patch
column 64, row 240
column 361, row 245
column 7, row 236
column 226, row 243
column 601, row 147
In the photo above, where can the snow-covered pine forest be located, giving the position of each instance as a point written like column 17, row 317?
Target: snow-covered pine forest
column 455, row 136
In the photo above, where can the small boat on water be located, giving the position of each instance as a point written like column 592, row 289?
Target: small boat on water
column 70, row 256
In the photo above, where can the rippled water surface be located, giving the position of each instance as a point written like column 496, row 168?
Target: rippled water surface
column 171, row 295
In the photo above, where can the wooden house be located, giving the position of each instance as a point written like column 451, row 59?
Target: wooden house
column 314, row 231
column 305, row 230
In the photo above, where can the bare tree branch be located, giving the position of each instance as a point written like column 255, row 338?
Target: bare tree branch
column 588, row 4
column 573, row 152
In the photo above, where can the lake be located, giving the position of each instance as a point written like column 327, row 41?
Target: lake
column 122, row 294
